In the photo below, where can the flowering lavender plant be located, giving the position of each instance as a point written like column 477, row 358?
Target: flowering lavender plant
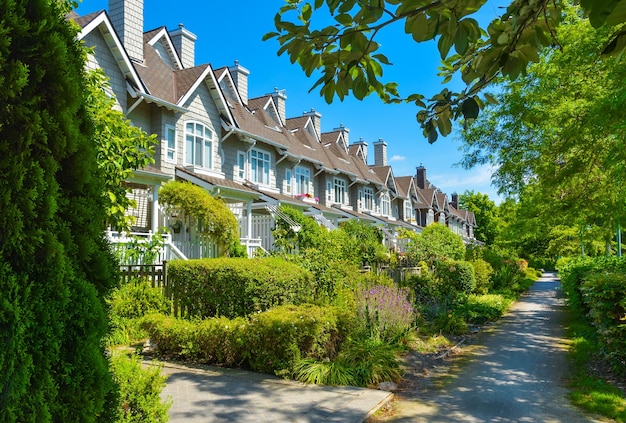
column 385, row 311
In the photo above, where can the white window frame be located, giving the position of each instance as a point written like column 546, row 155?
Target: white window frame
column 170, row 129
column 303, row 180
column 205, row 142
column 241, row 171
column 368, row 198
column 385, row 204
column 260, row 174
column 339, row 191
column 288, row 181
column 409, row 211
column 329, row 191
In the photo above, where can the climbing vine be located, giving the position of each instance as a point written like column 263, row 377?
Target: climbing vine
column 212, row 218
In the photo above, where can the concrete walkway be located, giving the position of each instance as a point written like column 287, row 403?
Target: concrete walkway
column 209, row 394
column 519, row 374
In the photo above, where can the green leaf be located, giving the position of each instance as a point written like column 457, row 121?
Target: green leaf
column 470, row 108
column 444, row 45
column 418, row 27
column 461, row 40
column 444, row 124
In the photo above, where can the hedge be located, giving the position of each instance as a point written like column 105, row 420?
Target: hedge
column 269, row 342
column 233, row 287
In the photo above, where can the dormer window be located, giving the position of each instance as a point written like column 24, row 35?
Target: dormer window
column 198, row 145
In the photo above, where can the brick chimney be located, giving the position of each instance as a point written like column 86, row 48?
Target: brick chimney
column 455, row 200
column 317, row 121
column 420, row 177
column 240, row 77
column 380, row 153
column 185, row 43
column 127, row 19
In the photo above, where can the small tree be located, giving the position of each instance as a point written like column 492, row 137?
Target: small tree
column 436, row 243
column 213, row 219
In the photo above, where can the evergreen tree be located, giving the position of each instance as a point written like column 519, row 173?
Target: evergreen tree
column 55, row 267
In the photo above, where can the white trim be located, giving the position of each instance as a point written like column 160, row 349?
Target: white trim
column 166, row 140
column 164, row 33
column 194, row 154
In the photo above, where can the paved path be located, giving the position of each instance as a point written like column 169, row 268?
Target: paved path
column 208, row 394
column 517, row 375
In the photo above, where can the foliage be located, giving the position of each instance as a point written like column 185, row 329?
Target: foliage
column 591, row 392
column 366, row 241
column 605, row 296
column 488, row 222
column 140, row 391
column 278, row 338
column 385, row 312
column 122, row 148
column 566, row 164
column 351, row 60
column 372, row 361
column 55, row 267
column 485, row 308
column 435, row 243
column 140, row 250
column 127, row 304
column 332, row 373
column 482, row 272
column 217, row 340
column 212, row 217
column 271, row 341
column 457, row 276
column 288, row 241
column 233, row 287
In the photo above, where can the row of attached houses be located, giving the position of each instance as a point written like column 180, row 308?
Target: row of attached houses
column 245, row 150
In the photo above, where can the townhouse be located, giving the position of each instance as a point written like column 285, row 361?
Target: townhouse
column 246, row 150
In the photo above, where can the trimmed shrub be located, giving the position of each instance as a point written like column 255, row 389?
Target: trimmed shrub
column 482, row 271
column 233, row 287
column 484, row 308
column 277, row 339
column 140, row 391
column 136, row 299
column 457, row 276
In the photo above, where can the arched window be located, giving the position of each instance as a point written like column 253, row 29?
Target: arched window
column 198, row 145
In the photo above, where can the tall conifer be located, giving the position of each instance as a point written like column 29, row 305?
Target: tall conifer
column 55, row 267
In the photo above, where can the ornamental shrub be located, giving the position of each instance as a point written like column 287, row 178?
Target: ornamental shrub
column 484, row 308
column 277, row 339
column 436, row 243
column 232, row 287
column 456, row 276
column 483, row 272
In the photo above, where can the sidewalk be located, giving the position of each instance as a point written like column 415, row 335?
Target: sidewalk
column 210, row 394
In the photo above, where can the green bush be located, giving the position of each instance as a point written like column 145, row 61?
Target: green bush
column 127, row 304
column 372, row 362
column 136, row 299
column 270, row 342
column 277, row 339
column 140, row 391
column 457, row 276
column 484, row 308
column 483, row 272
column 232, row 287
column 604, row 294
column 385, row 312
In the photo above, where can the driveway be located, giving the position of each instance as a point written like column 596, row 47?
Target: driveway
column 518, row 374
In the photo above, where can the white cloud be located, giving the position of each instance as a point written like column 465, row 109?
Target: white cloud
column 477, row 180
column 396, row 158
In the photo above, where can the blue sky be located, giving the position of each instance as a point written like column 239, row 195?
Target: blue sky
column 229, row 31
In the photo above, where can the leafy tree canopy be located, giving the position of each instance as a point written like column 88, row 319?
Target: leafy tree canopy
column 488, row 222
column 557, row 134
column 350, row 59
column 436, row 243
